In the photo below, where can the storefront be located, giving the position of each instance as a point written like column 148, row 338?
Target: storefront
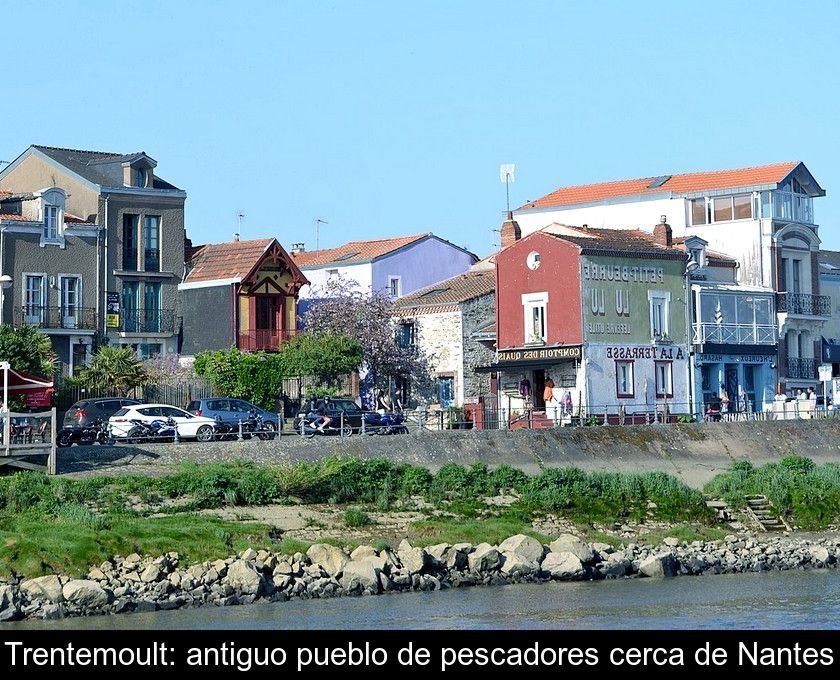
column 747, row 379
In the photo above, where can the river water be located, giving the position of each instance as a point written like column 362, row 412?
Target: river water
column 786, row 600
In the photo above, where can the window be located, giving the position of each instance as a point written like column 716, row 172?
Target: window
column 151, row 308
column 151, row 243
column 697, row 256
column 659, row 312
column 624, row 386
column 70, row 298
column 722, row 209
column 50, row 223
column 533, row 260
column 34, row 298
column 446, row 391
column 140, row 177
column 129, row 243
column 698, row 211
column 131, row 304
column 534, row 305
column 406, row 335
column 728, row 208
column 743, row 207
column 394, row 287
column 664, row 379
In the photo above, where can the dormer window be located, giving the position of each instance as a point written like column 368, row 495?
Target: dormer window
column 141, row 177
column 50, row 212
column 697, row 256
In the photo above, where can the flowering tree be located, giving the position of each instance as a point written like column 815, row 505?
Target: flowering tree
column 340, row 308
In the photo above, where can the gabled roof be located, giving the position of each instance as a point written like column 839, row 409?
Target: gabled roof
column 236, row 260
column 452, row 291
column 760, row 176
column 87, row 164
column 360, row 252
column 598, row 241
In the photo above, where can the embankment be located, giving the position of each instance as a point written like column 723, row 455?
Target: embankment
column 695, row 453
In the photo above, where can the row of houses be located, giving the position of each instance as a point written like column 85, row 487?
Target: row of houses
column 620, row 296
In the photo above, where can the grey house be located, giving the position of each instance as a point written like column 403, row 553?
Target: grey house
column 125, row 236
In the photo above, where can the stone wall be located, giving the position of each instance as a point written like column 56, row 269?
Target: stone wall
column 476, row 314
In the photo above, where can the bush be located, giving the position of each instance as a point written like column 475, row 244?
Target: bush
column 353, row 517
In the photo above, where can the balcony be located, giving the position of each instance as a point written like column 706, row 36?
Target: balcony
column 263, row 339
column 734, row 334
column 151, row 260
column 803, row 304
column 792, row 207
column 82, row 318
column 804, row 369
column 147, row 321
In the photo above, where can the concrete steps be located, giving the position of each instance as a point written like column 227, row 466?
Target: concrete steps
column 538, row 420
column 762, row 512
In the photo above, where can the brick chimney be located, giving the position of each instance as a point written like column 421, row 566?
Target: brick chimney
column 662, row 233
column 510, row 231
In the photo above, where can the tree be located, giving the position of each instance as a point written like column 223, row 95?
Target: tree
column 256, row 377
column 324, row 355
column 114, row 367
column 341, row 308
column 27, row 349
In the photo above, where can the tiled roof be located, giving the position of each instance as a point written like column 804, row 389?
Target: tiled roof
column 84, row 163
column 625, row 240
column 75, row 219
column 673, row 184
column 458, row 289
column 830, row 261
column 17, row 218
column 712, row 257
column 226, row 260
column 355, row 252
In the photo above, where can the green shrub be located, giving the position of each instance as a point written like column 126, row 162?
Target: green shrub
column 353, row 517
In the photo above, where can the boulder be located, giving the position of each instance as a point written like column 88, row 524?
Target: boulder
column 563, row 566
column 572, row 544
column 456, row 559
column 9, row 609
column 248, row 555
column 485, row 558
column 361, row 574
column 243, row 576
column 363, row 551
column 517, row 564
column 151, row 573
column 616, row 566
column 412, row 559
column 438, row 551
column 820, row 554
column 525, row 547
column 85, row 593
column 659, row 566
column 43, row 588
column 330, row 558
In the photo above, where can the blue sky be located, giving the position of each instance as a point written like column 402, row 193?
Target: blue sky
column 387, row 118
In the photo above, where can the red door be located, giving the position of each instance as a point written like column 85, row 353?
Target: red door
column 269, row 321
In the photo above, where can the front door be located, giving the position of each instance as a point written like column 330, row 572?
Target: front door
column 539, row 387
column 731, row 386
column 69, row 302
column 269, row 321
column 131, row 316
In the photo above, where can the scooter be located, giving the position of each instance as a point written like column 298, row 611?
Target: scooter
column 95, row 433
column 307, row 426
column 385, row 423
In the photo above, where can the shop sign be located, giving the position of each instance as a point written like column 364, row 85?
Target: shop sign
column 646, row 352
column 538, row 354
column 112, row 310
column 735, row 358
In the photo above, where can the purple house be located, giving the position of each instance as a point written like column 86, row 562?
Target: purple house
column 398, row 266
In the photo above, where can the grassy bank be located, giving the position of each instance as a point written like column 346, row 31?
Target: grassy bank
column 56, row 524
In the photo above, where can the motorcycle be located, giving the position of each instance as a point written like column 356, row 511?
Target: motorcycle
column 385, row 423
column 225, row 431
column 156, row 430
column 97, row 432
column 259, row 427
column 307, row 426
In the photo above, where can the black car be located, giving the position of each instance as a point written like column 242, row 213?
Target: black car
column 86, row 412
column 349, row 408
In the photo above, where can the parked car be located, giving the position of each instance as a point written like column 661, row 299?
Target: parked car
column 231, row 411
column 351, row 410
column 189, row 426
column 85, row 413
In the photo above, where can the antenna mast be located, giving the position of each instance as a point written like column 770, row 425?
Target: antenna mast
column 238, row 233
column 318, row 223
column 506, row 175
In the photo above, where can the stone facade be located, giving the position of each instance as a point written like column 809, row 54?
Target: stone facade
column 476, row 314
column 439, row 334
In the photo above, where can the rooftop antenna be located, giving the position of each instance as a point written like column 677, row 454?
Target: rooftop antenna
column 238, row 233
column 506, row 175
column 318, row 223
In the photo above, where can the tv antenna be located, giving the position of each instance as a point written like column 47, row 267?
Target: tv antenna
column 318, row 223
column 238, row 234
column 506, row 175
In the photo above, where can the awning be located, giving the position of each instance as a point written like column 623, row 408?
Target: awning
column 20, row 381
column 830, row 351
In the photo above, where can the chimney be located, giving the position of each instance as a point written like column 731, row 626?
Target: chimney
column 297, row 248
column 510, row 232
column 662, row 233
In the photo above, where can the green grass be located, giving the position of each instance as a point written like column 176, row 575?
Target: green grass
column 353, row 517
column 470, row 530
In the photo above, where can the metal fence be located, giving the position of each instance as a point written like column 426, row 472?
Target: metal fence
column 179, row 394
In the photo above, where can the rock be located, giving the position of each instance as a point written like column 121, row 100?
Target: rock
column 9, row 609
column 455, row 559
column 603, row 548
column 363, row 551
column 270, row 562
column 133, row 558
column 485, row 558
column 248, row 555
column 330, row 558
column 220, row 566
column 671, row 542
column 151, row 573
column 438, row 551
column 243, row 576
column 563, row 566
column 96, row 574
column 659, row 566
column 283, row 568
column 52, row 612
column 175, row 579
column 517, row 564
column 145, row 606
column 43, row 588
column 361, row 574
column 412, row 559
column 465, row 548
column 616, row 566
column 572, row 544
column 818, row 553
column 525, row 547
column 85, row 593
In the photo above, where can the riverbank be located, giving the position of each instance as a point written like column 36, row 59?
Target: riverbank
column 145, row 584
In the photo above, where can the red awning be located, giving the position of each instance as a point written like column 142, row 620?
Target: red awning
column 20, row 381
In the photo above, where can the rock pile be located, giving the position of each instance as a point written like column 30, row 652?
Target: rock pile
column 140, row 584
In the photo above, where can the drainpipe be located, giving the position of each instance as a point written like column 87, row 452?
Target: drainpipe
column 99, row 293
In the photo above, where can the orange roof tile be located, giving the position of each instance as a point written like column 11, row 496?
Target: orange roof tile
column 675, row 184
column 355, row 252
column 459, row 288
column 226, row 260
column 9, row 216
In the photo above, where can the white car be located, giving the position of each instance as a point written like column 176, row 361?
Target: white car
column 189, row 426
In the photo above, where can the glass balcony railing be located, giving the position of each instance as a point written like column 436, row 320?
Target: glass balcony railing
column 793, row 207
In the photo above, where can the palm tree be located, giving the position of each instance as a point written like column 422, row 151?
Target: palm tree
column 114, row 367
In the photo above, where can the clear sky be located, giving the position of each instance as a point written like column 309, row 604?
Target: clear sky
column 389, row 118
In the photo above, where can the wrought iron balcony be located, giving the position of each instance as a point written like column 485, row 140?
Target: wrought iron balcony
column 804, row 304
column 262, row 339
column 147, row 321
column 804, row 369
column 56, row 317
column 734, row 334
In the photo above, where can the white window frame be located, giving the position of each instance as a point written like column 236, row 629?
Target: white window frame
column 530, row 302
column 631, row 378
column 29, row 319
column 664, row 390
column 64, row 316
column 691, row 212
column 391, row 281
column 701, row 252
column 663, row 296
